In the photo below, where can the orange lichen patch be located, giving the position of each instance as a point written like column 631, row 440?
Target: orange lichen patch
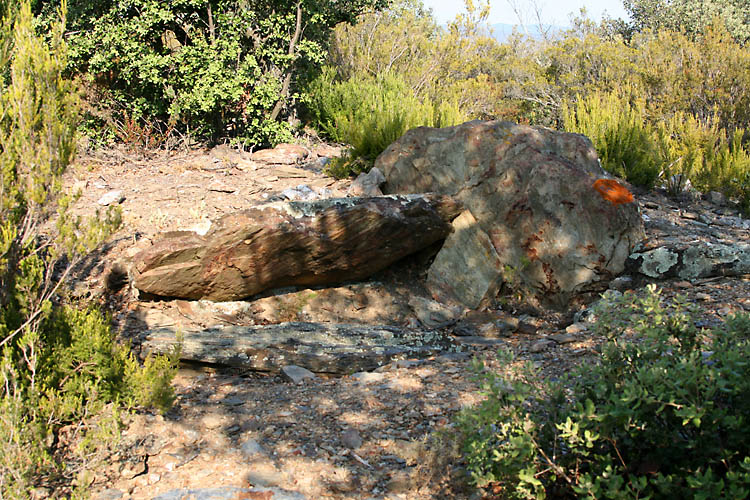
column 613, row 191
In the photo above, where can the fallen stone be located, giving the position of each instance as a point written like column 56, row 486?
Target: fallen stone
column 563, row 338
column 576, row 328
column 111, row 198
column 540, row 224
column 303, row 192
column 231, row 493
column 108, row 494
column 351, row 439
column 250, row 448
column 541, row 345
column 476, row 341
column 367, row 184
column 697, row 260
column 716, row 198
column 297, row 374
column 292, row 243
column 321, row 348
column 368, row 377
column 622, row 283
column 432, row 314
column 467, row 268
column 283, row 154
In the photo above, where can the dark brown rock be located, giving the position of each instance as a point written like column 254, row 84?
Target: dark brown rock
column 292, row 243
column 535, row 221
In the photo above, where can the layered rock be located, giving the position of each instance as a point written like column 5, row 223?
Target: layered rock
column 327, row 348
column 535, row 220
column 697, row 260
column 292, row 243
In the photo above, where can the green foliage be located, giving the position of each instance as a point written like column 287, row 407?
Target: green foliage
column 662, row 415
column 616, row 125
column 690, row 16
column 57, row 363
column 211, row 68
column 369, row 113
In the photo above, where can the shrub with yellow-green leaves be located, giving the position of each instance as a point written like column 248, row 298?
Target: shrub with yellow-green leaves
column 58, row 363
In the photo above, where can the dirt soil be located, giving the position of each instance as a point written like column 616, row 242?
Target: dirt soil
column 352, row 437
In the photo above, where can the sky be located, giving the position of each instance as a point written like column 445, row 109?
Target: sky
column 554, row 12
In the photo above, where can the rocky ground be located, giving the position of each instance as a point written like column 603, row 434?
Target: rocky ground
column 241, row 434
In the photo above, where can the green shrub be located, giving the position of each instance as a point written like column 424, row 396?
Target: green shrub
column 617, row 126
column 369, row 113
column 663, row 414
column 210, row 68
column 58, row 363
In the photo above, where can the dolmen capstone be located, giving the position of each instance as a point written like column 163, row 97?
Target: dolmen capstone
column 300, row 243
column 535, row 217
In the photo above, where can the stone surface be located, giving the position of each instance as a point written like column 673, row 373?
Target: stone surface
column 367, row 184
column 111, row 198
column 697, row 260
column 283, row 154
column 467, row 267
column 231, row 493
column 433, row 314
column 351, row 439
column 328, row 348
column 292, row 243
column 530, row 191
column 297, row 374
column 250, row 448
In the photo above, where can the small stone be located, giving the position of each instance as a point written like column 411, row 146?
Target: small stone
column 40, row 493
column 724, row 311
column 683, row 284
column 621, row 283
column 367, row 184
column 351, row 439
column 191, row 436
column 702, row 296
column 212, row 421
column 716, row 198
column 264, row 478
column 368, row 377
column 251, row 448
column 108, row 494
column 234, row 401
column 563, row 338
column 575, row 328
column 110, row 198
column 400, row 482
column 153, row 478
column 541, row 345
column 297, row 374
column 134, row 469
column 480, row 341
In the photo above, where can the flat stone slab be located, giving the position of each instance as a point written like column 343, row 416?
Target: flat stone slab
column 322, row 348
column 696, row 260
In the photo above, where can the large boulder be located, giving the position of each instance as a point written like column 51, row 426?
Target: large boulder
column 292, row 243
column 536, row 220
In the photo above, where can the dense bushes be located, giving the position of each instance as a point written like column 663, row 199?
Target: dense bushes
column 369, row 113
column 661, row 415
column 58, row 362
column 211, row 68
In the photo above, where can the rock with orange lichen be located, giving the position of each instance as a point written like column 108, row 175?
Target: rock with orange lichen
column 542, row 217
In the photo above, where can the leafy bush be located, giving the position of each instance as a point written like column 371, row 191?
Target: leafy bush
column 369, row 113
column 211, row 68
column 58, row 363
column 662, row 415
column 624, row 140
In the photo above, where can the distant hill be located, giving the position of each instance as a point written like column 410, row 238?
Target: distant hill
column 502, row 30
